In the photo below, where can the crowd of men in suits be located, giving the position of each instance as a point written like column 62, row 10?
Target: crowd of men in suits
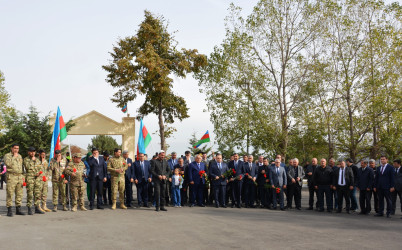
column 245, row 183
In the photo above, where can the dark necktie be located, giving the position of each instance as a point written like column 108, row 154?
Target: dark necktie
column 341, row 176
column 277, row 171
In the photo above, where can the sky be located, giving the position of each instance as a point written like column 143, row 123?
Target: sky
column 52, row 52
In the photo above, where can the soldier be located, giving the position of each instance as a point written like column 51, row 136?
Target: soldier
column 76, row 171
column 117, row 166
column 57, row 166
column 31, row 173
column 41, row 183
column 15, row 179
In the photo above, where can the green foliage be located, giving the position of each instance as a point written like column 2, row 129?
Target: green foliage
column 103, row 143
column 5, row 107
column 144, row 64
column 26, row 130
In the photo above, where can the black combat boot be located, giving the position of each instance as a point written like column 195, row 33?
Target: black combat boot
column 9, row 212
column 38, row 211
column 19, row 212
column 29, row 211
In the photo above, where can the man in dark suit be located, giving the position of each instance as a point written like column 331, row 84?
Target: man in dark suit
column 217, row 170
column 374, row 194
column 278, row 180
column 107, row 186
column 295, row 183
column 384, row 186
column 322, row 179
column 353, row 199
column 250, row 177
column 197, row 181
column 160, row 172
column 97, row 176
column 398, row 185
column 237, row 181
column 188, row 159
column 365, row 182
column 128, row 179
column 262, row 180
column 342, row 182
column 142, row 179
column 310, row 170
column 334, row 193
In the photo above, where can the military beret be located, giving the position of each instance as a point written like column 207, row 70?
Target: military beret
column 57, row 152
column 77, row 155
column 31, row 149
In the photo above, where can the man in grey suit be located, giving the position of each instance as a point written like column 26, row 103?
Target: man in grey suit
column 160, row 174
column 278, row 180
column 217, row 170
column 295, row 183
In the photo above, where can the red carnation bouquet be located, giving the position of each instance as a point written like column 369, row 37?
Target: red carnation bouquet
column 24, row 184
column 44, row 178
column 248, row 175
column 74, row 170
column 277, row 190
column 40, row 172
column 62, row 176
column 201, row 173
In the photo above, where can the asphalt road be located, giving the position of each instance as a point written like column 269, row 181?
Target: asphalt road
column 198, row 228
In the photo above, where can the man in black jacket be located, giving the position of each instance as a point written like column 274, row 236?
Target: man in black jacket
column 309, row 173
column 161, row 172
column 343, row 183
column 262, row 180
column 295, row 183
column 353, row 199
column 322, row 180
column 374, row 194
column 365, row 182
column 97, row 176
column 398, row 185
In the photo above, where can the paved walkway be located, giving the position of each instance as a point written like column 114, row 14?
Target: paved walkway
column 198, row 228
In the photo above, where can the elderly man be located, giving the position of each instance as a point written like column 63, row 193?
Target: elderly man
column 295, row 183
column 196, row 176
column 278, row 182
column 160, row 172
column 310, row 170
column 250, row 177
column 322, row 180
column 142, row 179
column 218, row 180
column 384, row 186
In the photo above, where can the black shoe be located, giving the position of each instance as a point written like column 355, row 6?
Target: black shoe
column 19, row 212
column 298, row 208
column 388, row 215
column 30, row 211
column 224, row 206
column 9, row 212
column 252, row 206
column 91, row 207
column 238, row 206
column 216, row 205
column 37, row 211
column 202, row 205
column 274, row 208
column 157, row 209
column 310, row 208
column 147, row 206
column 99, row 207
column 232, row 206
column 163, row 209
column 347, row 211
column 329, row 211
column 338, row 211
column 320, row 210
column 269, row 207
column 393, row 213
column 192, row 205
column 378, row 215
column 282, row 209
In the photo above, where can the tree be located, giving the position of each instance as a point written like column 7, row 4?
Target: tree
column 26, row 130
column 103, row 143
column 5, row 107
column 143, row 65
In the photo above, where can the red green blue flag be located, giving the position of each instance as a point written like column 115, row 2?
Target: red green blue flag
column 144, row 138
column 59, row 133
column 204, row 138
column 124, row 109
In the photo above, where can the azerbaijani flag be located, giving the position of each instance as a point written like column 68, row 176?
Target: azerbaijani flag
column 204, row 138
column 124, row 109
column 143, row 139
column 59, row 133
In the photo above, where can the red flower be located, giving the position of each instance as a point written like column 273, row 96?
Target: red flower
column 44, row 178
column 234, row 171
column 201, row 173
column 265, row 175
column 74, row 170
column 62, row 176
column 40, row 172
column 246, row 174
column 24, row 184
column 278, row 190
column 124, row 163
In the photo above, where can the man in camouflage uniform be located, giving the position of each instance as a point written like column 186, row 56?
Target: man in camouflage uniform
column 41, row 184
column 15, row 179
column 57, row 166
column 31, row 164
column 76, row 170
column 117, row 167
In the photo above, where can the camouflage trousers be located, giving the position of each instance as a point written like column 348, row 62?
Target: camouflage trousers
column 40, row 190
column 118, row 184
column 59, row 186
column 30, row 181
column 77, row 193
column 14, row 186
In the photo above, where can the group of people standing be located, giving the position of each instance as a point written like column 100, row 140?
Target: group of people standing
column 197, row 181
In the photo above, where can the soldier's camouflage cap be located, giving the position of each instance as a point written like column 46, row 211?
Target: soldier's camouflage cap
column 77, row 155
